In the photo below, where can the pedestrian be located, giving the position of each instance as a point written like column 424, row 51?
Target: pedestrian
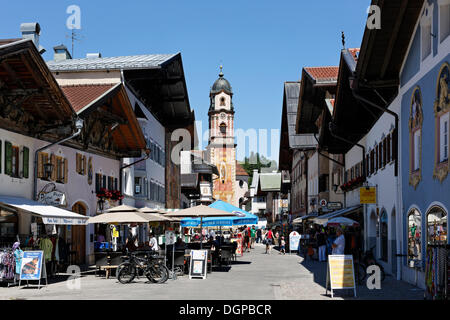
column 258, row 235
column 282, row 246
column 277, row 238
column 322, row 244
column 246, row 239
column 339, row 243
column 153, row 243
column 253, row 237
column 268, row 238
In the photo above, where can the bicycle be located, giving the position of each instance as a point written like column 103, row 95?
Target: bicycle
column 151, row 265
column 361, row 265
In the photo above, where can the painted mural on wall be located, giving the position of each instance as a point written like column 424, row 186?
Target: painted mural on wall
column 415, row 138
column 223, row 186
column 441, row 112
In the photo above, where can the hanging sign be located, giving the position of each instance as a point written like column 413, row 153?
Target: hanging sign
column 198, row 264
column 340, row 273
column 368, row 195
column 294, row 240
column 32, row 267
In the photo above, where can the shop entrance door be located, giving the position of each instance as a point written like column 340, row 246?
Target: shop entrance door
column 79, row 236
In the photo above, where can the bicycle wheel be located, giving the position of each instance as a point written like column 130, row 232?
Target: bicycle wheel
column 157, row 273
column 126, row 272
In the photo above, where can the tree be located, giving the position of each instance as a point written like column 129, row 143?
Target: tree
column 257, row 162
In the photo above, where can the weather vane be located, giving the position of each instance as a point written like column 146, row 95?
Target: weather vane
column 343, row 40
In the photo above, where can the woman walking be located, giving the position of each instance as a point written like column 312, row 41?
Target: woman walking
column 269, row 240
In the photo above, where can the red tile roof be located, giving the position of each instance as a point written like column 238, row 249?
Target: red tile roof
column 323, row 73
column 240, row 171
column 80, row 96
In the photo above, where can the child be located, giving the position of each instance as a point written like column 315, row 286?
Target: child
column 310, row 252
column 283, row 246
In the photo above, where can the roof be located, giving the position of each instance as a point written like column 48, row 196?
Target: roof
column 6, row 41
column 270, row 181
column 240, row 171
column 220, row 85
column 111, row 63
column 323, row 74
column 81, row 96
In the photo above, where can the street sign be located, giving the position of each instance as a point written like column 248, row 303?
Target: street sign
column 368, row 195
column 334, row 205
column 340, row 273
column 323, row 202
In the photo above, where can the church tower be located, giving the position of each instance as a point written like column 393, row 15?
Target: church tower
column 221, row 146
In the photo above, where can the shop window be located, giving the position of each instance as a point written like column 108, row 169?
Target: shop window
column 8, row 225
column 441, row 112
column 436, row 226
column 415, row 138
column 444, row 19
column 414, row 238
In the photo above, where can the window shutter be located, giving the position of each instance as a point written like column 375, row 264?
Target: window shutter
column 78, row 163
column 39, row 164
column 66, row 171
column 115, row 185
column 55, row 167
column 8, row 158
column 84, row 172
column 97, row 182
column 26, row 162
column 104, row 182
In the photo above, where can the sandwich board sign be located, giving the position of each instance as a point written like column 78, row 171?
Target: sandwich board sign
column 197, row 268
column 340, row 273
column 33, row 267
column 294, row 240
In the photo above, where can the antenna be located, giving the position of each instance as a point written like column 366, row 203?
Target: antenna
column 74, row 36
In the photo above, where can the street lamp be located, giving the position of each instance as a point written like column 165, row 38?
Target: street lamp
column 48, row 169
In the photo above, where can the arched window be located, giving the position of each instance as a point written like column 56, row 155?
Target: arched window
column 223, row 128
column 384, row 235
column 222, row 101
column 241, row 183
column 442, row 124
column 415, row 138
column 436, row 226
column 414, row 238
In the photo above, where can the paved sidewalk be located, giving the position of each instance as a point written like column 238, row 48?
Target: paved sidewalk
column 255, row 276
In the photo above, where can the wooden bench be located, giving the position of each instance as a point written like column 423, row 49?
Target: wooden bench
column 108, row 270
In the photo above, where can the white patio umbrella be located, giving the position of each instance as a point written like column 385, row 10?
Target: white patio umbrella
column 338, row 221
column 120, row 215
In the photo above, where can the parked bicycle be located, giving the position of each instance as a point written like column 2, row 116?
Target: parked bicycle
column 361, row 265
column 150, row 264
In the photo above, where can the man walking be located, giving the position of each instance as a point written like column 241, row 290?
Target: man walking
column 258, row 235
column 253, row 237
column 339, row 243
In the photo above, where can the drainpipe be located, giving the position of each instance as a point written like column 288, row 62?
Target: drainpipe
column 397, row 185
column 79, row 127
column 147, row 151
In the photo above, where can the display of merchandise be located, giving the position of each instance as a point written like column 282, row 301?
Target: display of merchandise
column 7, row 265
column 436, row 277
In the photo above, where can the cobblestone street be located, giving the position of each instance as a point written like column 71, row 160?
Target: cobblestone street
column 255, row 276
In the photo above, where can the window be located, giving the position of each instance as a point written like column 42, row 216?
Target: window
column 444, row 121
column 372, row 161
column 81, row 164
column 416, row 158
column 384, row 235
column 222, row 102
column 444, row 19
column 426, row 31
column 137, row 185
column 12, row 160
column 223, row 128
column 388, row 149
column 436, row 226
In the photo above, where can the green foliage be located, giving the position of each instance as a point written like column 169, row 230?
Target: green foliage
column 257, row 162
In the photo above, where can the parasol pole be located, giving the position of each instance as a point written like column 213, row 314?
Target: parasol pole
column 201, row 232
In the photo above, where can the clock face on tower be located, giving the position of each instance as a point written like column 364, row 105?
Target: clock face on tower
column 223, row 116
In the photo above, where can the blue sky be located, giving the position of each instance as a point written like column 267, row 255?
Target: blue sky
column 261, row 43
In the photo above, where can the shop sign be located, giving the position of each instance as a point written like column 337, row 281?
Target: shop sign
column 334, row 205
column 32, row 268
column 340, row 273
column 368, row 195
column 197, row 267
column 294, row 240
column 53, row 198
column 64, row 221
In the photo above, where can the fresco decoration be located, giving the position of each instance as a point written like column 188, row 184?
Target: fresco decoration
column 223, row 188
column 441, row 107
column 415, row 124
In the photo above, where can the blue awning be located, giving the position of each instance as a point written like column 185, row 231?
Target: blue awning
column 242, row 218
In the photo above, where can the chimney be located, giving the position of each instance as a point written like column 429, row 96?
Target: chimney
column 93, row 55
column 32, row 31
column 61, row 53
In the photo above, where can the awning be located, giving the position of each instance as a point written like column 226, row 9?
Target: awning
column 301, row 219
column 324, row 218
column 49, row 214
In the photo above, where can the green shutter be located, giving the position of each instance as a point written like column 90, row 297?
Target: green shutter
column 8, row 158
column 26, row 162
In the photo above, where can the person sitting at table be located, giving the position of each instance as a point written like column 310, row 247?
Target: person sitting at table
column 179, row 244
